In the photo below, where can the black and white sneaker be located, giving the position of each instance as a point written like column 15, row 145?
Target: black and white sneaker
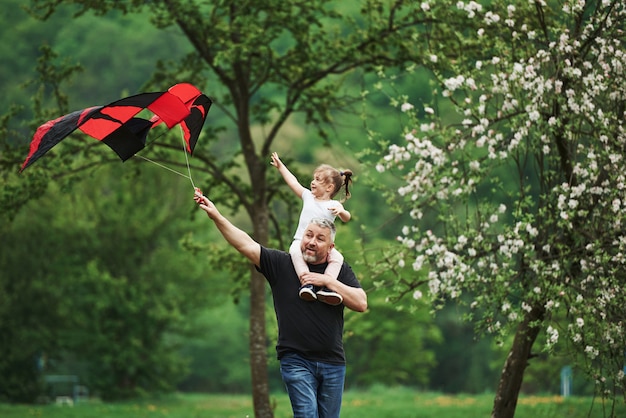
column 328, row 296
column 307, row 292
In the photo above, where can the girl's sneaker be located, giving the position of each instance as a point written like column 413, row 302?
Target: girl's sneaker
column 328, row 296
column 307, row 292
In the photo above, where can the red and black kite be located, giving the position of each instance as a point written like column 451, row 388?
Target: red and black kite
column 116, row 125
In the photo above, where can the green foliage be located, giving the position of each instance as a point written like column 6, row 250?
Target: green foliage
column 111, row 283
column 390, row 346
column 468, row 364
column 122, row 333
column 17, row 192
column 218, row 351
column 396, row 402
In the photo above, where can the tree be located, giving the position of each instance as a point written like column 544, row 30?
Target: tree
column 118, row 301
column 264, row 62
column 396, row 348
column 513, row 175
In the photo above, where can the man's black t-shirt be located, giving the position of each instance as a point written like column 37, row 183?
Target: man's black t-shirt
column 312, row 329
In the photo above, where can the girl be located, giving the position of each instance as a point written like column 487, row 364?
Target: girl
column 317, row 202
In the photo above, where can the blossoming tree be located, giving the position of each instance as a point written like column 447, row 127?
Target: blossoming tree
column 518, row 200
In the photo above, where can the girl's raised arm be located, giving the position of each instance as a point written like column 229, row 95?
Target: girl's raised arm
column 288, row 176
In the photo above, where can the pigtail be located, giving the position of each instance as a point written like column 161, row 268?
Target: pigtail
column 339, row 179
column 347, row 181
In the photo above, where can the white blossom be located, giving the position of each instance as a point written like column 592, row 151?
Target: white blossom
column 592, row 352
column 553, row 335
column 406, row 107
column 454, row 82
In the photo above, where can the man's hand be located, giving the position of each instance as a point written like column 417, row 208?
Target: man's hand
column 205, row 204
column 316, row 279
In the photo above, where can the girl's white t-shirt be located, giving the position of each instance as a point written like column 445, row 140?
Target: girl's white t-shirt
column 312, row 208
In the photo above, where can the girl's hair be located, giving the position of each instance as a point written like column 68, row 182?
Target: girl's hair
column 338, row 178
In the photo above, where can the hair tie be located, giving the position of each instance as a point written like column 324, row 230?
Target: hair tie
column 341, row 173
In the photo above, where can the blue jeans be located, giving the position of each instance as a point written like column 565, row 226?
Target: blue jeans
column 315, row 389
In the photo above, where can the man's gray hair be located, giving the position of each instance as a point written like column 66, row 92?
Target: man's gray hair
column 326, row 223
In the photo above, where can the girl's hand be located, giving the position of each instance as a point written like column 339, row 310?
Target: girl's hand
column 341, row 213
column 336, row 210
column 275, row 160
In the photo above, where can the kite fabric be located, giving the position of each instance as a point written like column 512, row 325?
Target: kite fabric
column 115, row 124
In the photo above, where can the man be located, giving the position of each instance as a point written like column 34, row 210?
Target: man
column 310, row 334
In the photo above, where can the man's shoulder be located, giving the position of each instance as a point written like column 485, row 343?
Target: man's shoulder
column 274, row 263
column 272, row 254
column 273, row 251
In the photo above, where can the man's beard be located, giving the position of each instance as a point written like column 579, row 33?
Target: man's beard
column 312, row 256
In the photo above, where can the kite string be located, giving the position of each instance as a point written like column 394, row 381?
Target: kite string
column 162, row 166
column 170, row 169
column 182, row 138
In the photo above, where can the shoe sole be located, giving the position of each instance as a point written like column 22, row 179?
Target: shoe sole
column 330, row 299
column 308, row 295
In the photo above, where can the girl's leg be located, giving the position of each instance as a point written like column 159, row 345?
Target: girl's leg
column 296, row 258
column 307, row 292
column 335, row 261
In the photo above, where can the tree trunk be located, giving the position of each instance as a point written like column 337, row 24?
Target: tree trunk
column 258, row 348
column 258, row 335
column 516, row 362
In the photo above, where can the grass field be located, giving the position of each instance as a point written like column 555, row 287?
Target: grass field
column 376, row 403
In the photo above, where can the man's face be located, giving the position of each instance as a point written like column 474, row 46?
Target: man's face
column 316, row 244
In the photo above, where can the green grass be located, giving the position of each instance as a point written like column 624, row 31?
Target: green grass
column 376, row 403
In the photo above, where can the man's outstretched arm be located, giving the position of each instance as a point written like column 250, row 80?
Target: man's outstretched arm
column 241, row 241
